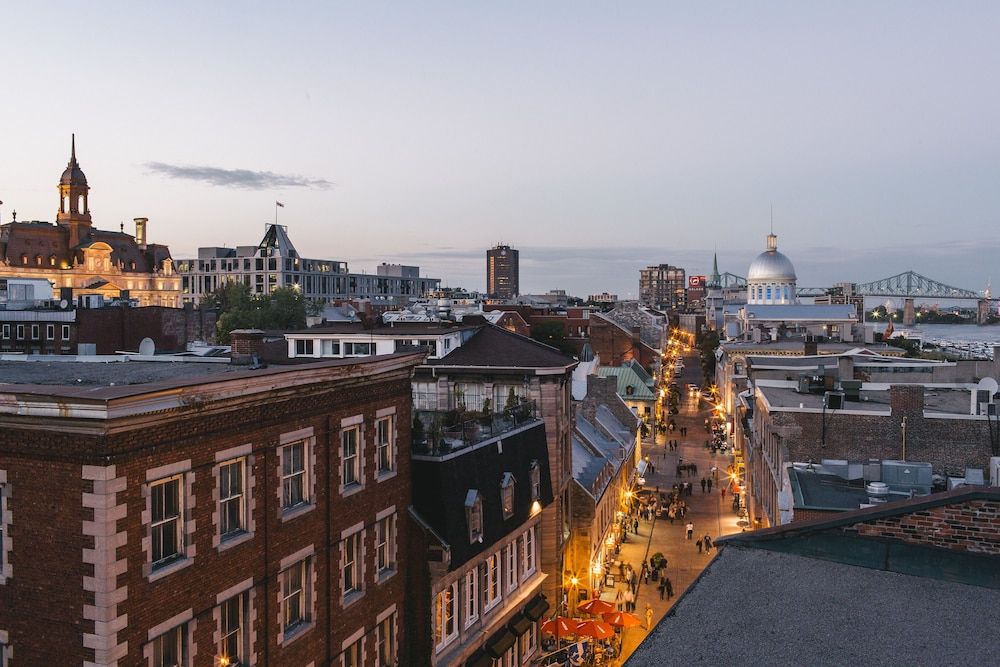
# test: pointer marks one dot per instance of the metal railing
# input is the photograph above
(443, 432)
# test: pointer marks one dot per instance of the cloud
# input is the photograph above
(237, 178)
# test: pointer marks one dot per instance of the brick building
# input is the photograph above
(178, 513)
(663, 286)
(616, 343)
(123, 328)
(503, 272)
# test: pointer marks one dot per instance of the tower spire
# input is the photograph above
(72, 153)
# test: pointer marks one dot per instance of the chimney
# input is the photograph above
(845, 368)
(140, 231)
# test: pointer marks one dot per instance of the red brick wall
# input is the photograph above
(114, 329)
(42, 606)
(971, 526)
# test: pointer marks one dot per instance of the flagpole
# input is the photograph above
(276, 213)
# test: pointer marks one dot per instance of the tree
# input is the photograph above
(284, 308)
(554, 334)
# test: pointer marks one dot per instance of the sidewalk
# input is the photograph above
(709, 513)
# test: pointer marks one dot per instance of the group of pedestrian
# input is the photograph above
(666, 587)
(706, 481)
(704, 543)
(672, 445)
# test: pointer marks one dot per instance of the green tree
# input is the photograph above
(284, 308)
(554, 334)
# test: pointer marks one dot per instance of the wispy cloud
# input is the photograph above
(236, 178)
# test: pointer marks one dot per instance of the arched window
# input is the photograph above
(81, 204)
(38, 260)
(52, 260)
(474, 515)
(507, 495)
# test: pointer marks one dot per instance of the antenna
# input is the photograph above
(772, 217)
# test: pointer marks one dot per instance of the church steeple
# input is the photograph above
(715, 280)
(74, 208)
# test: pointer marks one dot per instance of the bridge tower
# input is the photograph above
(909, 314)
(982, 311)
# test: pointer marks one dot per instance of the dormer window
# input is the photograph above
(507, 495)
(535, 475)
(474, 515)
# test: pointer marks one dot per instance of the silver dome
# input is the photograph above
(771, 266)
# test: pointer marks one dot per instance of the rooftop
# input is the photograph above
(114, 372)
(630, 385)
(950, 399)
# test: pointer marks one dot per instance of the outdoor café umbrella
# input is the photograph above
(560, 626)
(596, 606)
(621, 619)
(595, 629)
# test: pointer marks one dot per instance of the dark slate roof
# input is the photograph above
(496, 347)
(394, 329)
(755, 607)
(440, 486)
(813, 490)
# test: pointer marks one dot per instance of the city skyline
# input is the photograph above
(399, 135)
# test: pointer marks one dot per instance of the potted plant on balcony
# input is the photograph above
(417, 432)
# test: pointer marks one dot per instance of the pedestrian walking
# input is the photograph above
(629, 600)
(703, 485)
(619, 601)
(723, 492)
(709, 484)
(708, 543)
(669, 586)
(690, 530)
(635, 526)
(649, 617)
(662, 588)
(698, 542)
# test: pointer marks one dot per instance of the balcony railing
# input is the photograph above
(442, 432)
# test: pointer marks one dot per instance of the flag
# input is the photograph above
(278, 203)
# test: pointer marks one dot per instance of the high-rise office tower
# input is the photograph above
(502, 272)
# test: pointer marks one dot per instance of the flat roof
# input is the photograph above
(874, 398)
(770, 608)
(106, 373)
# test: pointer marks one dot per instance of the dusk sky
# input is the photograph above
(596, 138)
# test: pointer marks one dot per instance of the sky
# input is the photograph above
(597, 138)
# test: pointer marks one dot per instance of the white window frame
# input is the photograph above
(425, 395)
(291, 476)
(296, 603)
(445, 609)
(352, 564)
(386, 543)
(528, 643)
(510, 566)
(385, 446)
(351, 463)
(470, 596)
(35, 332)
(20, 332)
(50, 332)
(5, 334)
(176, 520)
(387, 638)
(239, 499)
(529, 559)
(492, 581)
(65, 332)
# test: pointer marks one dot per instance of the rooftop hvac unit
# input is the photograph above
(907, 475)
(877, 489)
(833, 400)
(873, 470)
(987, 409)
(852, 390)
(974, 477)
(995, 471)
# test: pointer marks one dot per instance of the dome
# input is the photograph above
(771, 266)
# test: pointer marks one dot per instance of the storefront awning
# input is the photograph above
(520, 624)
(536, 608)
(500, 643)
(640, 468)
(479, 659)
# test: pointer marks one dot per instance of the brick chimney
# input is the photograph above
(246, 342)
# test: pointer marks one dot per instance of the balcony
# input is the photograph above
(443, 432)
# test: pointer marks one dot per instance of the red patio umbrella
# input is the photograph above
(595, 629)
(621, 619)
(596, 606)
(560, 626)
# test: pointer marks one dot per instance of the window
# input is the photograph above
(294, 597)
(384, 455)
(474, 515)
(471, 596)
(65, 332)
(303, 348)
(167, 523)
(20, 332)
(358, 349)
(350, 460)
(330, 348)
(529, 642)
(170, 648)
(511, 564)
(5, 333)
(34, 332)
(351, 559)
(50, 332)
(233, 636)
(425, 396)
(385, 544)
(492, 580)
(469, 394)
(353, 653)
(445, 625)
(294, 487)
(507, 495)
(529, 553)
(535, 475)
(385, 642)
(232, 501)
